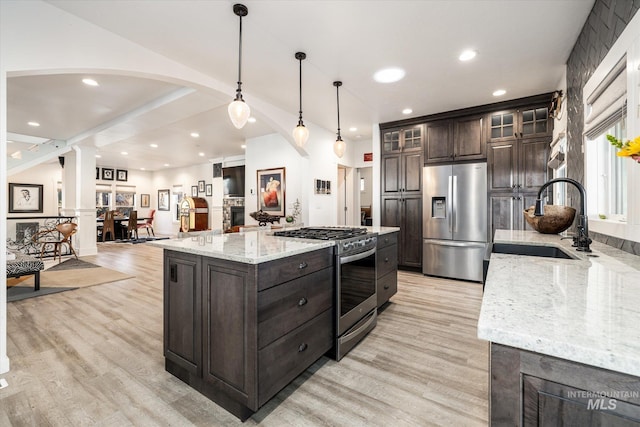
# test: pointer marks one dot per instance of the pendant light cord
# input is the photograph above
(300, 92)
(239, 90)
(337, 85)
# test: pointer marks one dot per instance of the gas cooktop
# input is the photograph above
(323, 233)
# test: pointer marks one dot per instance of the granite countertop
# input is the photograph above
(585, 310)
(250, 247)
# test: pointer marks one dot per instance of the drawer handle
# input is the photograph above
(173, 272)
(302, 302)
(302, 347)
(386, 259)
(302, 265)
(386, 286)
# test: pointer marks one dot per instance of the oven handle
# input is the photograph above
(356, 257)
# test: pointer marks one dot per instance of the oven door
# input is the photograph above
(356, 288)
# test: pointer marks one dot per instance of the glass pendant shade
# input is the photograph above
(239, 113)
(339, 147)
(300, 134)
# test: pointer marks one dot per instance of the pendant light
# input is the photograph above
(300, 133)
(239, 111)
(339, 145)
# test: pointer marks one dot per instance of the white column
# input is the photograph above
(80, 184)
(4, 360)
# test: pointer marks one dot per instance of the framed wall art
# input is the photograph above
(200, 186)
(145, 200)
(121, 175)
(163, 200)
(107, 174)
(194, 191)
(25, 198)
(209, 190)
(97, 173)
(271, 195)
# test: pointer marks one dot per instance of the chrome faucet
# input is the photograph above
(581, 240)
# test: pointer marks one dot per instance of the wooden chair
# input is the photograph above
(148, 224)
(66, 230)
(132, 225)
(108, 226)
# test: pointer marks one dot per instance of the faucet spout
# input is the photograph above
(581, 241)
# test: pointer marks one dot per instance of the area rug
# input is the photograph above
(85, 274)
(141, 240)
(18, 293)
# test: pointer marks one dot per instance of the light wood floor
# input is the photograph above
(93, 356)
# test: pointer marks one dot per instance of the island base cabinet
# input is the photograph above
(532, 389)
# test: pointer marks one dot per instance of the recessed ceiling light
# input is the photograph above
(407, 111)
(166, 164)
(467, 55)
(90, 82)
(201, 154)
(124, 153)
(499, 92)
(143, 169)
(98, 156)
(389, 75)
(153, 145)
(251, 119)
(243, 146)
(195, 135)
(34, 124)
(353, 129)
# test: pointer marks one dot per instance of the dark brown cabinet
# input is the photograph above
(239, 333)
(456, 139)
(406, 213)
(386, 267)
(506, 211)
(402, 174)
(532, 389)
(519, 123)
(399, 140)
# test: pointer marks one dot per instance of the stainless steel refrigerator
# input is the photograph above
(454, 220)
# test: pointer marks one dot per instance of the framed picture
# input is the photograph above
(25, 231)
(97, 173)
(217, 170)
(25, 198)
(107, 174)
(163, 200)
(194, 191)
(271, 197)
(201, 186)
(209, 190)
(121, 175)
(145, 200)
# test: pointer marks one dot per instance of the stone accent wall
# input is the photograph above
(227, 202)
(605, 23)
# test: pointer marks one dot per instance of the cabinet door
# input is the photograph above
(533, 155)
(410, 244)
(391, 141)
(502, 166)
(390, 212)
(502, 126)
(182, 311)
(411, 173)
(391, 169)
(469, 139)
(439, 144)
(501, 212)
(413, 138)
(535, 122)
(230, 330)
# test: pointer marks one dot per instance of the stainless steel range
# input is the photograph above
(355, 273)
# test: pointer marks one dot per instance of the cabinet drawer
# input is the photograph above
(284, 307)
(387, 239)
(283, 360)
(387, 260)
(289, 268)
(387, 286)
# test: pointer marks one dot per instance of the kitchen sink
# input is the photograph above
(530, 250)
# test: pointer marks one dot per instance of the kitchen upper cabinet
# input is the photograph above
(406, 213)
(519, 123)
(410, 138)
(518, 166)
(402, 173)
(455, 140)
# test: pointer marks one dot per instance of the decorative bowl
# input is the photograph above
(555, 220)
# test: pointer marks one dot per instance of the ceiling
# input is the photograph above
(522, 48)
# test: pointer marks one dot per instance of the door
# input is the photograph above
(342, 196)
(469, 193)
(437, 203)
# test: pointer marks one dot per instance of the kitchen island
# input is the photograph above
(564, 333)
(246, 313)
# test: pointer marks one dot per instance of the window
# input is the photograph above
(608, 174)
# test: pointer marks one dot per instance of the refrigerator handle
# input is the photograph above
(454, 203)
(450, 203)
